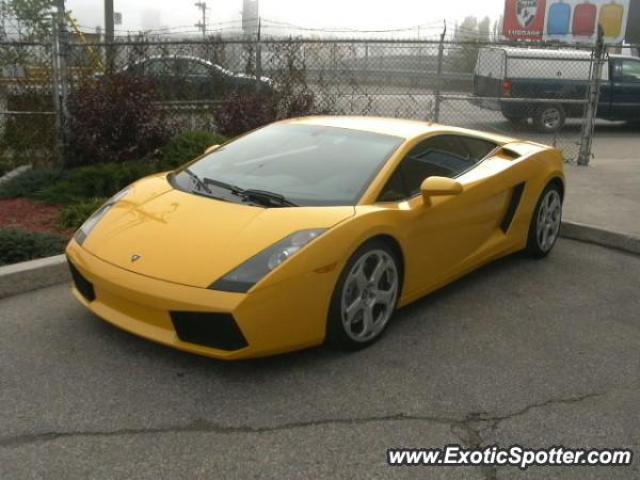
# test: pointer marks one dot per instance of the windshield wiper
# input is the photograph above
(197, 180)
(265, 198)
(218, 183)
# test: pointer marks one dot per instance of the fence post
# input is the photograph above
(366, 61)
(60, 79)
(258, 57)
(593, 97)
(438, 99)
(109, 36)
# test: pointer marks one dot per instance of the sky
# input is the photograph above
(336, 14)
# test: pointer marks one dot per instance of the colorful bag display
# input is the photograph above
(559, 19)
(611, 19)
(584, 20)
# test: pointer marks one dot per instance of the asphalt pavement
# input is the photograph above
(536, 353)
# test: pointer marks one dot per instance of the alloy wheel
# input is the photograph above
(549, 218)
(369, 295)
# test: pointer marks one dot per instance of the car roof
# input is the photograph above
(398, 127)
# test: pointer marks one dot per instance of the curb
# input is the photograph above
(599, 236)
(14, 173)
(27, 276)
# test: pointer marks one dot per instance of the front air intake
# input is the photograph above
(215, 330)
(84, 286)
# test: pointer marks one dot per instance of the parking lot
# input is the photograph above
(536, 353)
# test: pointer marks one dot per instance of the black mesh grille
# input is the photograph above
(215, 330)
(84, 286)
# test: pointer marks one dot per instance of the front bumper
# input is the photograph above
(290, 315)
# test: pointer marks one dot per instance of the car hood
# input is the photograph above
(194, 240)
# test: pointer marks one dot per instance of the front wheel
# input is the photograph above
(365, 297)
(545, 224)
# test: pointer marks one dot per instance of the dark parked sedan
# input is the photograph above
(193, 78)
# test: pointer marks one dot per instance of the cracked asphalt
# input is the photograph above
(535, 353)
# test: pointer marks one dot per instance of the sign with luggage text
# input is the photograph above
(569, 21)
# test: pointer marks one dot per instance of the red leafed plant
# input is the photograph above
(245, 111)
(113, 119)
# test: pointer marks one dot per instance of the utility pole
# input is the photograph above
(202, 24)
(61, 78)
(109, 36)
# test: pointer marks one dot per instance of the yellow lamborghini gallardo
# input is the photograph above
(311, 231)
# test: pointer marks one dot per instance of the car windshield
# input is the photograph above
(308, 165)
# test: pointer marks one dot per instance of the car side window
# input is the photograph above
(136, 68)
(631, 71)
(160, 67)
(193, 68)
(440, 156)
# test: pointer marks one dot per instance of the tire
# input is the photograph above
(372, 301)
(549, 118)
(545, 223)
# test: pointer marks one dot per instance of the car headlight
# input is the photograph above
(255, 269)
(86, 228)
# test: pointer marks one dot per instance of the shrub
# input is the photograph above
(19, 245)
(186, 147)
(104, 180)
(29, 138)
(73, 216)
(245, 111)
(96, 181)
(298, 105)
(114, 119)
(29, 183)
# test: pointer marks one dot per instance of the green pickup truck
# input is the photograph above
(550, 86)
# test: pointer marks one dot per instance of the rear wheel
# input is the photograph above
(365, 297)
(549, 118)
(545, 224)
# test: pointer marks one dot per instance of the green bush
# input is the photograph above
(82, 184)
(30, 138)
(20, 246)
(29, 183)
(77, 184)
(5, 167)
(96, 181)
(187, 146)
(74, 215)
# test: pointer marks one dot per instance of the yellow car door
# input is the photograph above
(447, 237)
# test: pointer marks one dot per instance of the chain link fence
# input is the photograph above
(27, 113)
(538, 94)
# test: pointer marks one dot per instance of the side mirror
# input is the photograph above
(211, 149)
(439, 187)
